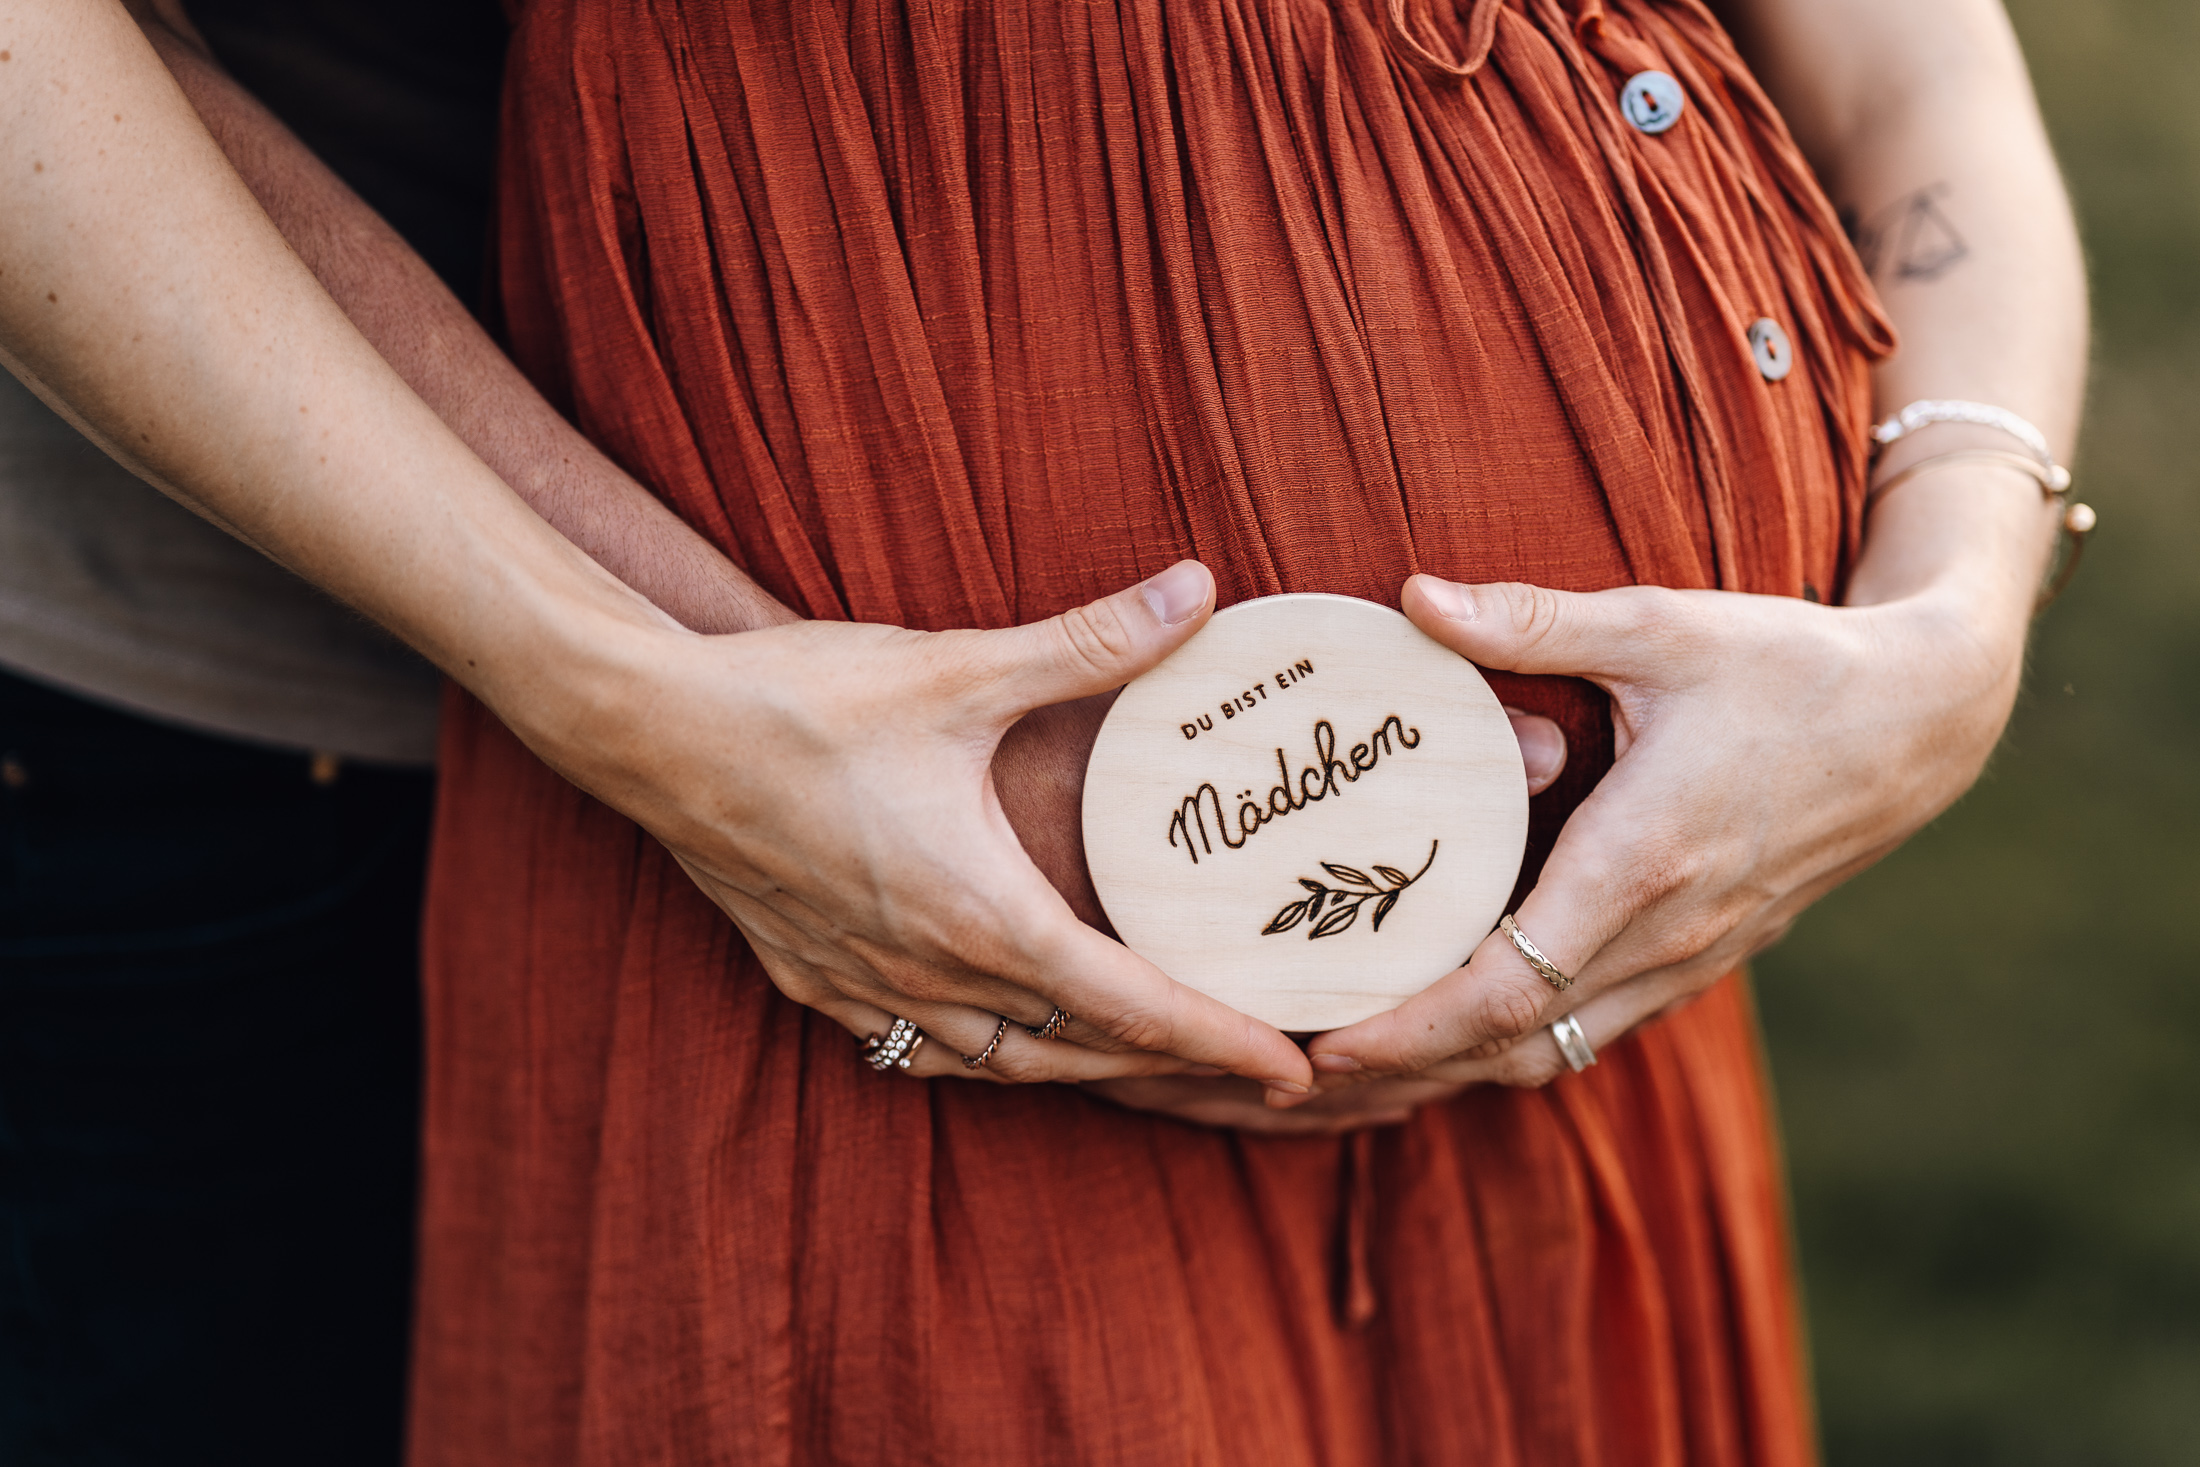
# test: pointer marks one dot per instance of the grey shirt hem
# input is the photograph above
(109, 590)
(392, 724)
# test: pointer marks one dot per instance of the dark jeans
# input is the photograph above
(209, 1094)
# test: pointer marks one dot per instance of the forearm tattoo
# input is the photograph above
(1911, 239)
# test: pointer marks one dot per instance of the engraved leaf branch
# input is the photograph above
(1331, 909)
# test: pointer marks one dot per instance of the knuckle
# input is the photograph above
(1661, 869)
(1019, 1067)
(905, 944)
(1662, 614)
(1527, 1070)
(939, 952)
(1654, 607)
(1136, 1019)
(1100, 1041)
(1129, 1026)
(908, 979)
(1691, 934)
(1697, 936)
(1141, 1029)
(1095, 637)
(1509, 1011)
(1534, 611)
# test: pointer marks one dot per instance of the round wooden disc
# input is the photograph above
(1311, 811)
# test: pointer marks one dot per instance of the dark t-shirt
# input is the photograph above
(399, 97)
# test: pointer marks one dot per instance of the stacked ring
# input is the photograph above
(1573, 1044)
(1534, 955)
(896, 1049)
(977, 1061)
(1051, 1027)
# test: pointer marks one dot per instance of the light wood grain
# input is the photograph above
(1306, 739)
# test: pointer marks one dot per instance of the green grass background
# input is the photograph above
(1987, 1050)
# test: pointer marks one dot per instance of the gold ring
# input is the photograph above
(977, 1061)
(1051, 1027)
(1534, 955)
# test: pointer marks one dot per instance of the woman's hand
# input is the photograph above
(829, 786)
(1767, 749)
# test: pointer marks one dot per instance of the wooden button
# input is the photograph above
(1311, 811)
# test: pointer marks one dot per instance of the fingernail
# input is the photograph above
(1448, 597)
(1336, 1064)
(1287, 1087)
(1542, 748)
(1177, 594)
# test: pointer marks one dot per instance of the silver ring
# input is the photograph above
(894, 1051)
(1534, 955)
(1051, 1027)
(1573, 1045)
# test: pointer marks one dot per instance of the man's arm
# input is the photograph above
(443, 354)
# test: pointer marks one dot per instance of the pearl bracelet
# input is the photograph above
(1928, 411)
(2076, 520)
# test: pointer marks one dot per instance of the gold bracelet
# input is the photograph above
(2076, 521)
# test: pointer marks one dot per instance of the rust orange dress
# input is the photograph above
(955, 313)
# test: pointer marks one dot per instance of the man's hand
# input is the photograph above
(1236, 1105)
(1039, 774)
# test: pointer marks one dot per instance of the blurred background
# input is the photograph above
(1987, 1050)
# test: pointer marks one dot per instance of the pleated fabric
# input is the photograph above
(957, 313)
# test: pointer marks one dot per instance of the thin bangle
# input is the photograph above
(1984, 457)
(2076, 520)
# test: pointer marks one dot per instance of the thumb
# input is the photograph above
(1600, 635)
(1100, 645)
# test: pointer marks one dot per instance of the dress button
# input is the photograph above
(1769, 344)
(1652, 101)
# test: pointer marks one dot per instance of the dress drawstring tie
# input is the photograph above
(1356, 1302)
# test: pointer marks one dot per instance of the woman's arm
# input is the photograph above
(1920, 119)
(826, 784)
(444, 355)
(1769, 749)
